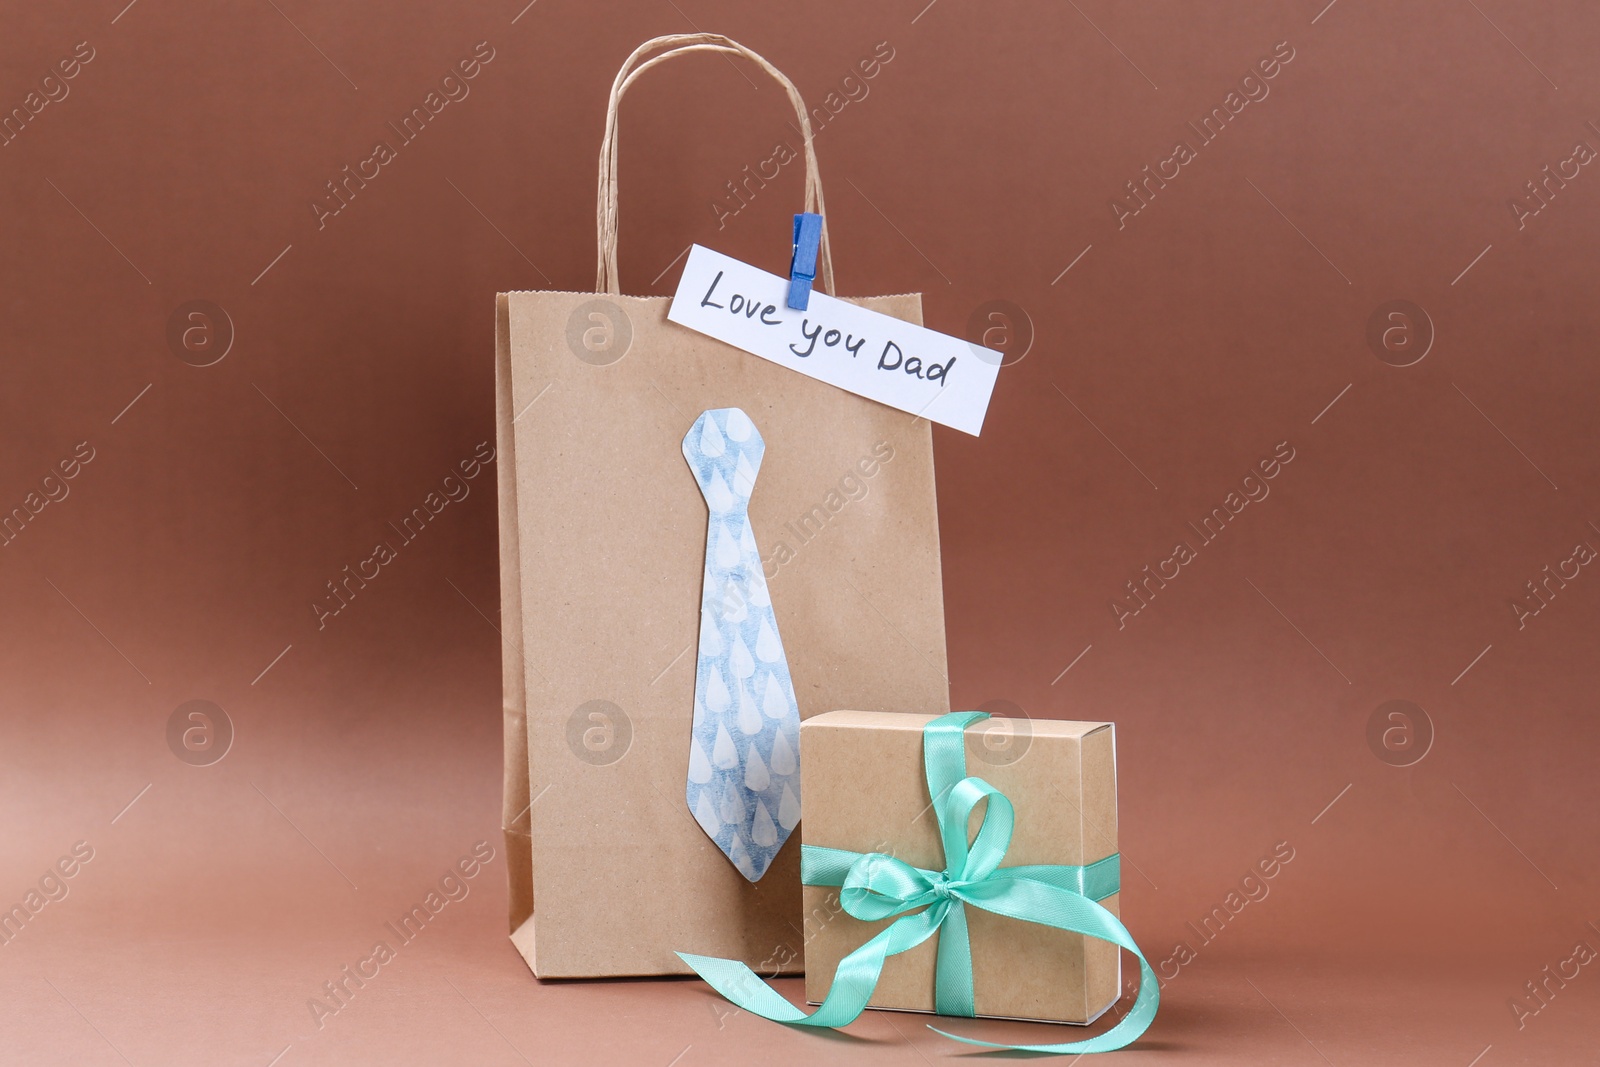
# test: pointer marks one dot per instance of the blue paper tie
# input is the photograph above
(803, 267)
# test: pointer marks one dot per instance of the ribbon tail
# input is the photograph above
(1128, 1029)
(853, 981)
(739, 984)
(1048, 905)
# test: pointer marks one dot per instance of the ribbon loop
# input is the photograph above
(875, 886)
(879, 886)
(980, 859)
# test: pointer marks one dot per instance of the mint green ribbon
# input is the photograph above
(875, 886)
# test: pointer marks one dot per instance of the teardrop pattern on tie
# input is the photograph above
(740, 661)
(789, 809)
(732, 811)
(739, 425)
(740, 856)
(756, 778)
(749, 718)
(699, 766)
(768, 648)
(706, 816)
(719, 498)
(762, 830)
(744, 477)
(710, 642)
(783, 761)
(711, 443)
(717, 698)
(728, 551)
(774, 701)
(724, 755)
(732, 605)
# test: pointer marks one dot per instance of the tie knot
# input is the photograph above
(724, 451)
(941, 886)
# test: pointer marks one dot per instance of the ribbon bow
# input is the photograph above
(874, 886)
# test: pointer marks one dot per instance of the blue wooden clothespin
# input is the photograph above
(803, 267)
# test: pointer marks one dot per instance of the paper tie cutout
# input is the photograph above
(744, 770)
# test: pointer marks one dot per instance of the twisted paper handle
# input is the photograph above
(643, 58)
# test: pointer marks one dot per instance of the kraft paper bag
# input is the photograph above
(602, 551)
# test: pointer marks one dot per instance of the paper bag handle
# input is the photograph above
(606, 278)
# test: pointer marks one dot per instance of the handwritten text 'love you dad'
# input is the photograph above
(890, 358)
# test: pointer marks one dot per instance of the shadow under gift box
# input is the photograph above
(863, 789)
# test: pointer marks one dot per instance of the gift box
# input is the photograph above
(866, 785)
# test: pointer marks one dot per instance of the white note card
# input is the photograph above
(939, 377)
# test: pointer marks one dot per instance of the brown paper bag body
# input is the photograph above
(602, 549)
(1062, 779)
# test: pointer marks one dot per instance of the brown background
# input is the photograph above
(1221, 320)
